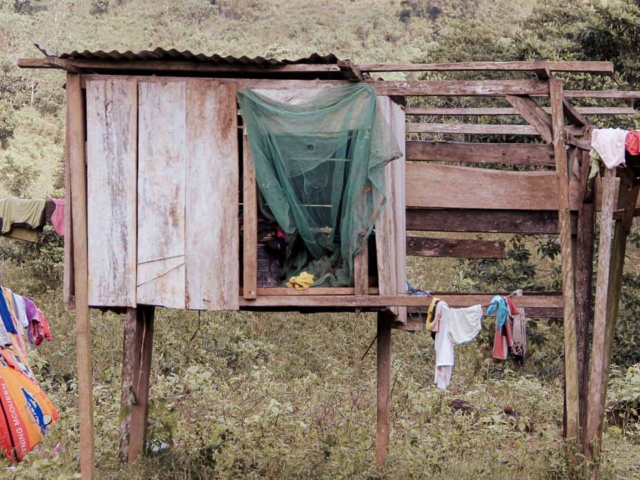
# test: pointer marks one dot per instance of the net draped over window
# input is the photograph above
(320, 171)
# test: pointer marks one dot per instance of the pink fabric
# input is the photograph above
(58, 216)
(39, 329)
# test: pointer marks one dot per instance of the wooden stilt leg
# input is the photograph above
(564, 221)
(140, 387)
(585, 240)
(131, 350)
(78, 176)
(608, 286)
(384, 387)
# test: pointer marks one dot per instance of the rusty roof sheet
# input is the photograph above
(186, 55)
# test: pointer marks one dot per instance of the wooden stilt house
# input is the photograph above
(157, 152)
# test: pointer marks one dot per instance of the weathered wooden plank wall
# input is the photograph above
(161, 194)
(212, 172)
(111, 180)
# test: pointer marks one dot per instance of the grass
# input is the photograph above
(246, 395)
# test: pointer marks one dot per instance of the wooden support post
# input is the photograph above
(131, 347)
(564, 221)
(584, 240)
(78, 174)
(608, 287)
(138, 345)
(250, 223)
(384, 387)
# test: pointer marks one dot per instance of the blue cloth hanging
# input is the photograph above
(6, 314)
(500, 304)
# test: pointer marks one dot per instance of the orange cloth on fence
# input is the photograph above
(26, 410)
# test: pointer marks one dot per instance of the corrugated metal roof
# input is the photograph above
(186, 55)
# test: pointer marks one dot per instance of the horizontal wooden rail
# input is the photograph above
(511, 111)
(481, 129)
(484, 88)
(601, 94)
(587, 67)
(444, 186)
(503, 153)
(485, 221)
(454, 248)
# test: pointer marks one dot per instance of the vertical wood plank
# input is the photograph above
(361, 271)
(68, 287)
(250, 223)
(608, 287)
(78, 171)
(112, 107)
(161, 194)
(131, 350)
(212, 270)
(391, 225)
(140, 389)
(564, 222)
(384, 387)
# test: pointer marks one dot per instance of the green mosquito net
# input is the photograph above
(320, 171)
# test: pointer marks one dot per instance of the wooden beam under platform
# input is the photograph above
(546, 300)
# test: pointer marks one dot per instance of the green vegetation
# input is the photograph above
(288, 396)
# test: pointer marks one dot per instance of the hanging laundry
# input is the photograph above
(57, 219)
(464, 323)
(21, 310)
(31, 411)
(518, 324)
(28, 410)
(415, 291)
(301, 282)
(18, 338)
(632, 142)
(40, 328)
(5, 339)
(435, 326)
(31, 310)
(444, 353)
(499, 307)
(431, 312)
(500, 344)
(7, 319)
(610, 145)
(21, 217)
